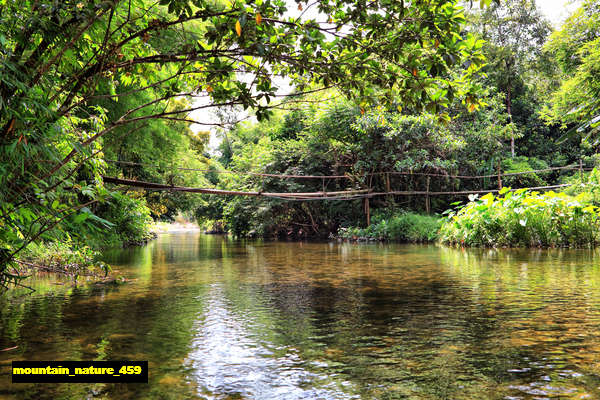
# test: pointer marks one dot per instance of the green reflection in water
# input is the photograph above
(219, 318)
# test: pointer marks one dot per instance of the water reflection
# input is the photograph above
(232, 357)
(221, 319)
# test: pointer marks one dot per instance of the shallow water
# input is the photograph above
(224, 319)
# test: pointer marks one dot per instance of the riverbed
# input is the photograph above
(218, 318)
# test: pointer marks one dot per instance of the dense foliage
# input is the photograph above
(337, 139)
(523, 218)
(333, 139)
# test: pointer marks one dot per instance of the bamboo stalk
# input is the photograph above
(160, 186)
(307, 195)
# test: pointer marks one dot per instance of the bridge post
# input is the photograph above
(367, 211)
(427, 200)
(499, 177)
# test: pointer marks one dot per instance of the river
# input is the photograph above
(218, 318)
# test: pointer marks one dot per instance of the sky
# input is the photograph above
(557, 10)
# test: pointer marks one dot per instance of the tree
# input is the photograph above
(576, 47)
(515, 32)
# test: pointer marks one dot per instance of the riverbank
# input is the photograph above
(59, 258)
(76, 261)
(521, 218)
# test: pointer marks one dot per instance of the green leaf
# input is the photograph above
(80, 218)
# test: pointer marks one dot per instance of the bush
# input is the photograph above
(588, 187)
(522, 164)
(402, 227)
(64, 257)
(524, 219)
(131, 219)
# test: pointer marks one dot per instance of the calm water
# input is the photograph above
(224, 319)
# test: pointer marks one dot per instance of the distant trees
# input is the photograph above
(576, 48)
(515, 31)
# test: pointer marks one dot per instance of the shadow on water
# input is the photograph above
(223, 319)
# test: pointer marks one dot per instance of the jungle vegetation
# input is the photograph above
(123, 88)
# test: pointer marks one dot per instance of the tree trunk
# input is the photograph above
(510, 119)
